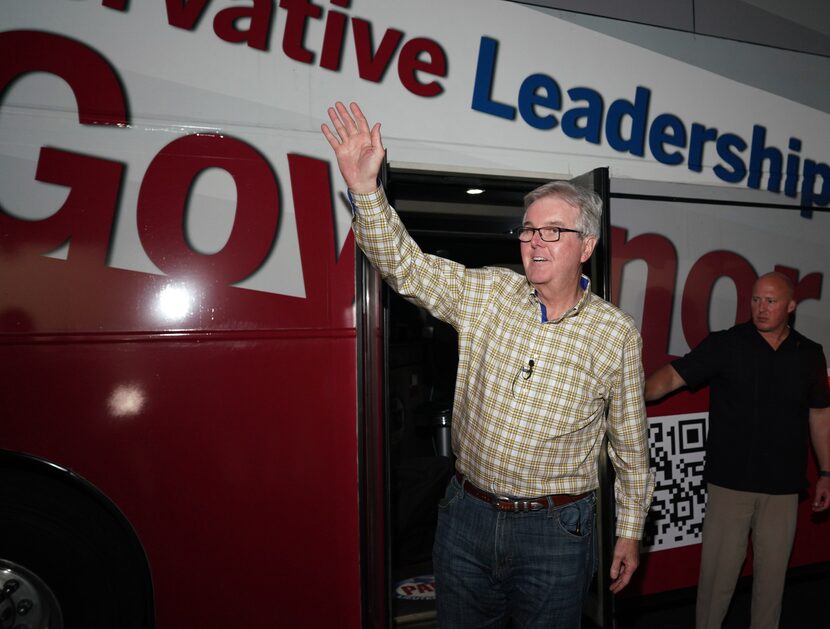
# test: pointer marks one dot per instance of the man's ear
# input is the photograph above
(588, 244)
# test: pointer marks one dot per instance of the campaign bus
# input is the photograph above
(214, 413)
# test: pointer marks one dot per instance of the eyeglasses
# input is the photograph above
(548, 234)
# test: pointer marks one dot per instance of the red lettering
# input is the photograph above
(333, 40)
(94, 83)
(419, 56)
(185, 13)
(85, 218)
(809, 287)
(410, 62)
(424, 588)
(373, 65)
(323, 273)
(162, 203)
(334, 37)
(409, 590)
(259, 26)
(697, 294)
(295, 24)
(660, 258)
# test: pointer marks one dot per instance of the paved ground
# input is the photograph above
(805, 606)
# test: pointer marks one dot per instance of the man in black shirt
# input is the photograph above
(767, 391)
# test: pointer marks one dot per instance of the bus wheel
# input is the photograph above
(67, 556)
(26, 601)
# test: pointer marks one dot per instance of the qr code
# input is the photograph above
(677, 452)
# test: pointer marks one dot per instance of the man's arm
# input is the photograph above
(820, 436)
(662, 382)
(628, 450)
(627, 550)
(358, 149)
(430, 282)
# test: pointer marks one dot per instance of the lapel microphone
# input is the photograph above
(527, 371)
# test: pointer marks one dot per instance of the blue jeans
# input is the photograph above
(522, 570)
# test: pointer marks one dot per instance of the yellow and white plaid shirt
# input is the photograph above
(516, 434)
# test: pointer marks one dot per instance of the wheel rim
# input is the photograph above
(26, 602)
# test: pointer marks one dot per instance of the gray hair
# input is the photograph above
(586, 201)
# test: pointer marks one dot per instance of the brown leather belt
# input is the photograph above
(502, 503)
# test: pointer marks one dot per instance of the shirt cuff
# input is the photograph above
(631, 526)
(370, 203)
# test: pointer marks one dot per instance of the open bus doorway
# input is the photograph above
(419, 366)
(422, 357)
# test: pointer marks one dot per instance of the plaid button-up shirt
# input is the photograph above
(523, 429)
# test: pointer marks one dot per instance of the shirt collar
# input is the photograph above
(584, 284)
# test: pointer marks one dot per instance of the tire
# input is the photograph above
(58, 528)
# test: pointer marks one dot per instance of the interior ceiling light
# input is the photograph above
(474, 191)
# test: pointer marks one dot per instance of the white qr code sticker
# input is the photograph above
(677, 452)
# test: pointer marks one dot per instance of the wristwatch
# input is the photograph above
(824, 473)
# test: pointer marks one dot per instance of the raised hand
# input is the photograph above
(358, 149)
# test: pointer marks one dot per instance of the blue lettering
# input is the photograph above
(626, 126)
(793, 162)
(530, 98)
(725, 145)
(759, 154)
(808, 185)
(700, 135)
(592, 115)
(637, 112)
(483, 88)
(667, 129)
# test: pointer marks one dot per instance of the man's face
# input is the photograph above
(544, 261)
(772, 304)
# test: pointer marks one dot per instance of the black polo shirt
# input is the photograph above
(759, 403)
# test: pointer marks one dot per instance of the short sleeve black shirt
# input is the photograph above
(759, 403)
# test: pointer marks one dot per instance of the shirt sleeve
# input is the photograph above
(820, 389)
(436, 284)
(628, 442)
(699, 365)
